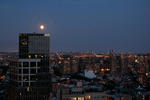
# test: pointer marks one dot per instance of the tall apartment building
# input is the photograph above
(30, 75)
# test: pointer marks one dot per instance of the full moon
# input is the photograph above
(42, 27)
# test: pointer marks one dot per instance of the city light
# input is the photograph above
(74, 98)
(29, 56)
(146, 74)
(47, 35)
(102, 69)
(80, 98)
(107, 69)
(75, 50)
(88, 97)
(136, 60)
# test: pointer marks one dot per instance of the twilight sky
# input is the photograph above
(78, 25)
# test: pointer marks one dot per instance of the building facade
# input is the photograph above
(30, 74)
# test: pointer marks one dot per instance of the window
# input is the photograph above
(74, 98)
(20, 78)
(29, 56)
(88, 97)
(36, 56)
(19, 83)
(24, 43)
(25, 71)
(80, 98)
(33, 71)
(20, 65)
(39, 64)
(20, 71)
(25, 84)
(25, 64)
(33, 64)
(33, 84)
(25, 78)
(33, 78)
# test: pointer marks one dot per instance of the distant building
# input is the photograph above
(68, 66)
(71, 92)
(118, 97)
(30, 74)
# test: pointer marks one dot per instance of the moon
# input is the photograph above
(41, 27)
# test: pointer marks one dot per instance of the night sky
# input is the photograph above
(79, 25)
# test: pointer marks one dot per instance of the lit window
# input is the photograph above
(28, 89)
(35, 56)
(146, 74)
(59, 62)
(136, 61)
(29, 56)
(102, 69)
(107, 69)
(25, 78)
(88, 97)
(46, 35)
(24, 43)
(80, 98)
(74, 98)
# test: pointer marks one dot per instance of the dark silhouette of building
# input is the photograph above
(30, 75)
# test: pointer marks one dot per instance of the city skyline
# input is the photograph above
(79, 25)
(74, 50)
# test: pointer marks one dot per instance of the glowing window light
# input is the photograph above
(29, 56)
(102, 69)
(88, 97)
(80, 98)
(46, 35)
(74, 98)
(107, 69)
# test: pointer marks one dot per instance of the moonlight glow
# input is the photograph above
(42, 27)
